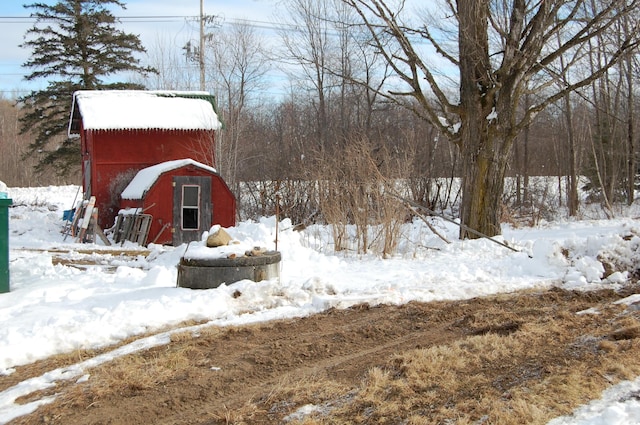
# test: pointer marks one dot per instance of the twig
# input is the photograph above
(462, 226)
(429, 225)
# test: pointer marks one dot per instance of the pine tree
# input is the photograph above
(75, 46)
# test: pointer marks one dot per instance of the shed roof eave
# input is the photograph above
(140, 109)
(73, 129)
(146, 178)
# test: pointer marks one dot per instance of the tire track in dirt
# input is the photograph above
(235, 368)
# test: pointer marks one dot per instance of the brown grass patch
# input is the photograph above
(505, 372)
(508, 359)
(38, 368)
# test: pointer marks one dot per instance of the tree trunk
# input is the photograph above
(482, 186)
(525, 166)
(484, 153)
(572, 190)
(525, 159)
(631, 148)
(518, 167)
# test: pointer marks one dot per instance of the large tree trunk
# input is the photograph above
(482, 187)
(483, 151)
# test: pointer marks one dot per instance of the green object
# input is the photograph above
(4, 244)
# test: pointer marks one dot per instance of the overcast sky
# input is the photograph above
(182, 27)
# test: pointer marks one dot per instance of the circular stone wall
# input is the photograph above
(212, 272)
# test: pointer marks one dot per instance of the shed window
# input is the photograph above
(190, 207)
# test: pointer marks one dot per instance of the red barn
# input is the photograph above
(184, 197)
(124, 131)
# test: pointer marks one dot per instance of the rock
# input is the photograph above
(219, 238)
(256, 252)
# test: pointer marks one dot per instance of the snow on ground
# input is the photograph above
(55, 308)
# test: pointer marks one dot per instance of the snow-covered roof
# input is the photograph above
(142, 110)
(147, 176)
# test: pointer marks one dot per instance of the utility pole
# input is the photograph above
(201, 52)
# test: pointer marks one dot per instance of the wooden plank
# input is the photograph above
(134, 235)
(102, 236)
(126, 228)
(87, 218)
(134, 228)
(140, 229)
(117, 229)
(144, 229)
(76, 217)
(93, 224)
(166, 225)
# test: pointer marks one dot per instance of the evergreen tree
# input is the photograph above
(75, 46)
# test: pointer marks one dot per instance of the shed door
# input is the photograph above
(192, 209)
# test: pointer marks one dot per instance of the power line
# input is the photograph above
(143, 19)
(35, 18)
(128, 18)
(158, 19)
(134, 19)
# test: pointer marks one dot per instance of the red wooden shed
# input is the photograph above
(124, 131)
(184, 198)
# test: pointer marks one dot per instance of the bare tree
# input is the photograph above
(16, 168)
(627, 71)
(567, 110)
(175, 66)
(503, 47)
(612, 150)
(238, 69)
(307, 48)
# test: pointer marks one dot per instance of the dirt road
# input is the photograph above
(263, 373)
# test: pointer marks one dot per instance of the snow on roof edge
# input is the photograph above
(143, 109)
(146, 177)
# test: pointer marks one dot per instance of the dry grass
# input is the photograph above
(508, 360)
(529, 374)
(129, 375)
(66, 359)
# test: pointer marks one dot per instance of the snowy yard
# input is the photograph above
(104, 297)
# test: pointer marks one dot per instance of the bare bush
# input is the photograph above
(542, 201)
(292, 198)
(354, 193)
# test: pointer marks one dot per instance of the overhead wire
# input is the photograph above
(152, 19)
(157, 19)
